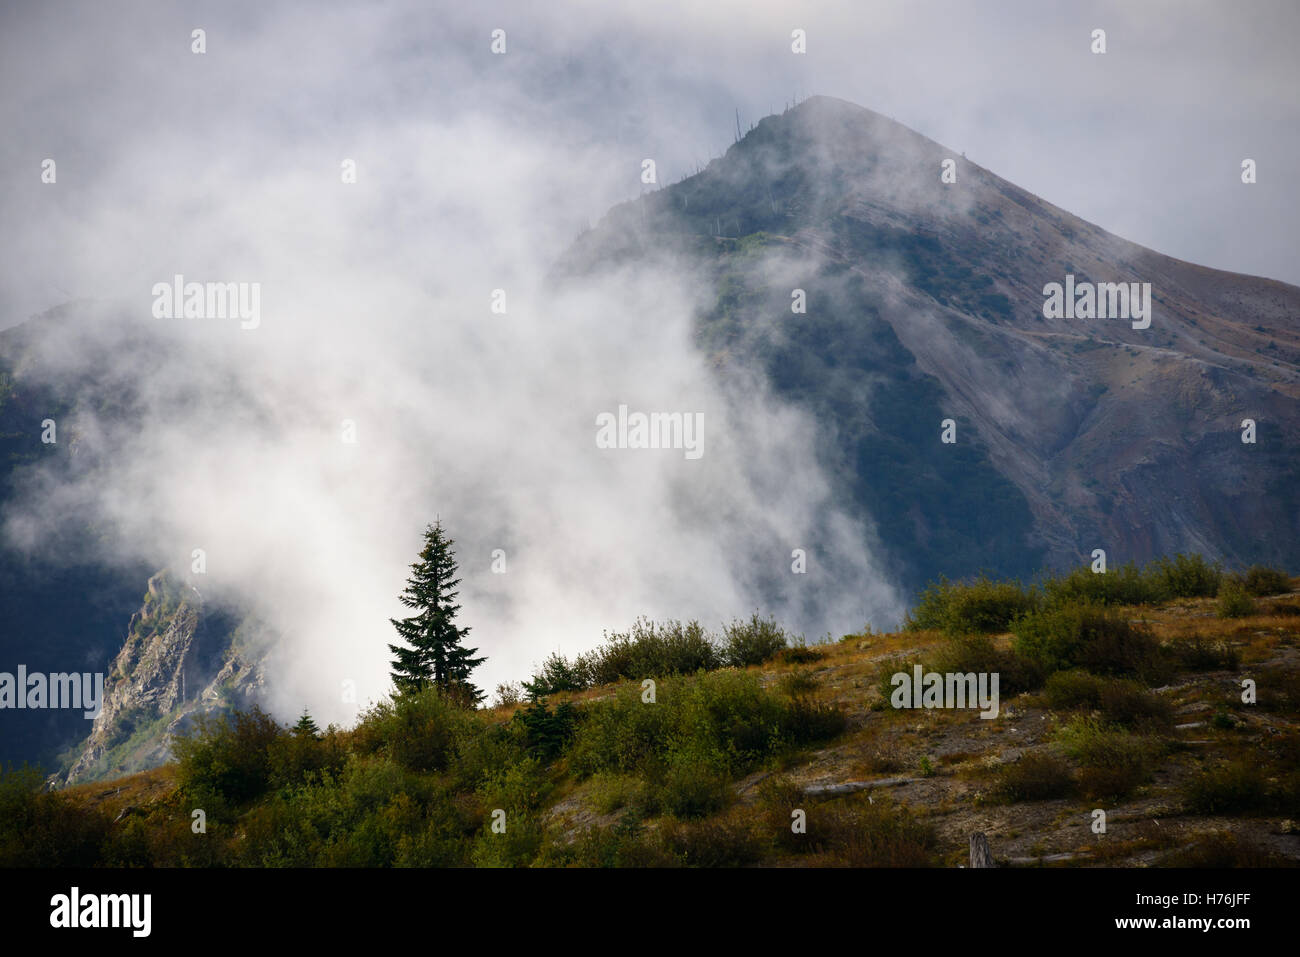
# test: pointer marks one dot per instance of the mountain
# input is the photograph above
(925, 302)
(67, 602)
(179, 659)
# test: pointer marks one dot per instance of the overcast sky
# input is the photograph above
(474, 171)
(1145, 140)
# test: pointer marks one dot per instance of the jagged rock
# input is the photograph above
(178, 660)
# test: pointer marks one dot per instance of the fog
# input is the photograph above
(474, 172)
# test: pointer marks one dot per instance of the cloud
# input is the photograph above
(475, 172)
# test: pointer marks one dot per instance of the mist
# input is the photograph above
(473, 173)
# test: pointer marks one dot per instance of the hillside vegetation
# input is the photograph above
(1126, 693)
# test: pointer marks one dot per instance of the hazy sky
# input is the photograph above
(474, 171)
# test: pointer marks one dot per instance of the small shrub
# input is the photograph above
(1037, 776)
(1234, 600)
(555, 675)
(225, 760)
(1113, 762)
(1223, 850)
(1185, 576)
(799, 655)
(752, 642)
(713, 843)
(39, 828)
(1125, 585)
(1237, 787)
(1260, 580)
(981, 606)
(694, 784)
(1091, 637)
(1073, 690)
(416, 730)
(796, 683)
(1199, 653)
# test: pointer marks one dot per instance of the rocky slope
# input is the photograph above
(925, 302)
(179, 659)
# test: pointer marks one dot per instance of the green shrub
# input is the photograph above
(799, 655)
(752, 642)
(1234, 600)
(46, 829)
(1199, 653)
(1260, 580)
(694, 783)
(547, 732)
(980, 606)
(1236, 787)
(416, 730)
(726, 715)
(1224, 850)
(853, 831)
(649, 650)
(1036, 776)
(796, 683)
(556, 675)
(1113, 762)
(1091, 637)
(225, 760)
(1073, 690)
(980, 655)
(1185, 576)
(715, 843)
(1125, 585)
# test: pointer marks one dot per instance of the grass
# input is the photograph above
(710, 773)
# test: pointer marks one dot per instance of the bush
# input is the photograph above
(1091, 637)
(1112, 761)
(1224, 850)
(1260, 580)
(1037, 776)
(695, 783)
(295, 757)
(727, 716)
(225, 760)
(979, 654)
(713, 843)
(853, 831)
(1234, 788)
(547, 732)
(1199, 653)
(1073, 690)
(1234, 600)
(556, 675)
(799, 655)
(752, 642)
(1186, 576)
(980, 606)
(45, 829)
(1125, 585)
(415, 730)
(649, 650)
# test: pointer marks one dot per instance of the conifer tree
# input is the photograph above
(433, 654)
(306, 726)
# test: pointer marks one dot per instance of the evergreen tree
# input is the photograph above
(433, 654)
(306, 726)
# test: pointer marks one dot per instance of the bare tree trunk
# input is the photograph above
(981, 855)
